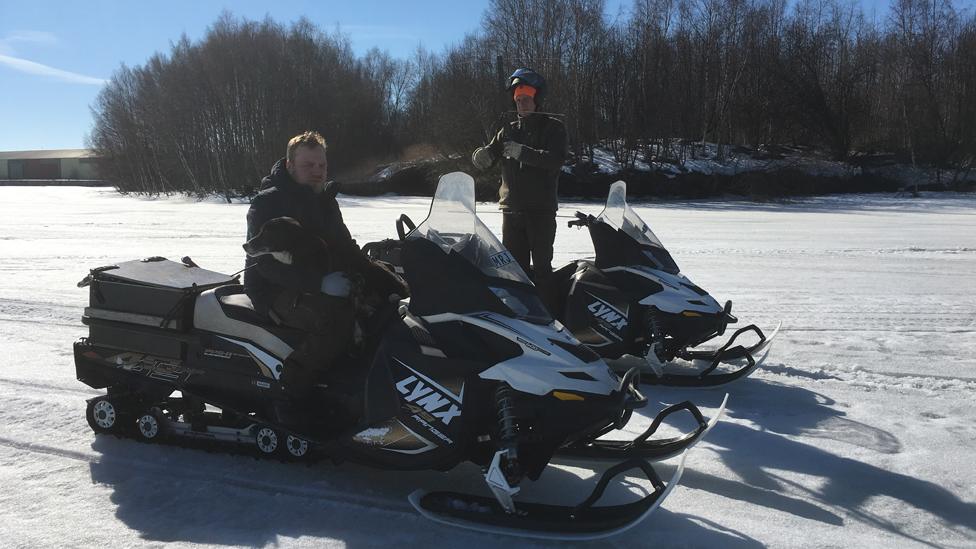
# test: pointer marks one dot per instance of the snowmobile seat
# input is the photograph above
(227, 310)
(237, 305)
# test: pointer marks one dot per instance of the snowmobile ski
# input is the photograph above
(545, 521)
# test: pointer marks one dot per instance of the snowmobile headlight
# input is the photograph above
(562, 395)
(690, 313)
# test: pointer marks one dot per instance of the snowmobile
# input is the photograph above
(471, 368)
(633, 307)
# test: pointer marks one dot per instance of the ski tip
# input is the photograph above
(721, 409)
(711, 423)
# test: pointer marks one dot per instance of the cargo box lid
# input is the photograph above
(162, 273)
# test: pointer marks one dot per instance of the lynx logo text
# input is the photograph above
(605, 312)
(442, 407)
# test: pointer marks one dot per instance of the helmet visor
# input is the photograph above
(523, 89)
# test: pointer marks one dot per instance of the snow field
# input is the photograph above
(859, 429)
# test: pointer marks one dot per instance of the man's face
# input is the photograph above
(525, 104)
(310, 166)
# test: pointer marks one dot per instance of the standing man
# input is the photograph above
(289, 295)
(532, 150)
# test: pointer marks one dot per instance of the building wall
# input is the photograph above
(78, 168)
(49, 168)
(42, 168)
(88, 169)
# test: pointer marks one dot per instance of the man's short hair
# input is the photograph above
(307, 139)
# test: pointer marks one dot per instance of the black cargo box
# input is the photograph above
(151, 292)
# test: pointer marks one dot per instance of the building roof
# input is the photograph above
(44, 154)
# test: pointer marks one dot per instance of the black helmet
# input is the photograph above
(530, 78)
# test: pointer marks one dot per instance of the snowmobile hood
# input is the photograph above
(680, 294)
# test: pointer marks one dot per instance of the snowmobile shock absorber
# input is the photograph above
(655, 337)
(507, 430)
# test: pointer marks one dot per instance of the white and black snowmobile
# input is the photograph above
(473, 368)
(632, 306)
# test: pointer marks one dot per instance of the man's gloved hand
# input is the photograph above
(336, 284)
(481, 158)
(512, 150)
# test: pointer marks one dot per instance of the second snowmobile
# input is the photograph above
(632, 305)
(473, 368)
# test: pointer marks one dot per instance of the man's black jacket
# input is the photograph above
(317, 212)
(529, 184)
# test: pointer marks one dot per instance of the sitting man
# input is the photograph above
(289, 294)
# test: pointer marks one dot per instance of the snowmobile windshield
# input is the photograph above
(454, 227)
(619, 215)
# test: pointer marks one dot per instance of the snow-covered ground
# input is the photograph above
(705, 159)
(860, 430)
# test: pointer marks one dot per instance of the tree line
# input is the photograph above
(660, 81)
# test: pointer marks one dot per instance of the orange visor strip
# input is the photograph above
(524, 89)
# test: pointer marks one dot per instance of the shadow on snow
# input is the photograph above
(755, 454)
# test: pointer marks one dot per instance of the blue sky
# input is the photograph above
(55, 55)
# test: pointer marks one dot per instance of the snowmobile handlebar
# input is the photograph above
(582, 220)
(404, 221)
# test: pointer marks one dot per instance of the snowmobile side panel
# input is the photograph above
(598, 313)
(102, 367)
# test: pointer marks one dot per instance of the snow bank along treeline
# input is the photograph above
(212, 116)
